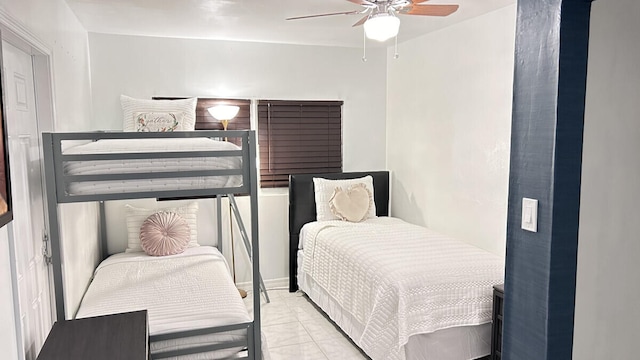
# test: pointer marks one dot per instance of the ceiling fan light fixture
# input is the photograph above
(382, 26)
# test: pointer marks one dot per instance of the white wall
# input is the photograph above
(607, 316)
(53, 25)
(80, 250)
(52, 22)
(449, 128)
(8, 339)
(146, 66)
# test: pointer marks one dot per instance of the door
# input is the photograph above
(28, 226)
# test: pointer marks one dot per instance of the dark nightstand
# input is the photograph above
(496, 327)
(119, 336)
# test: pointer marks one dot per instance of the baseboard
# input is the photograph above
(268, 283)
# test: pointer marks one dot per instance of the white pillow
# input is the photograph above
(324, 188)
(131, 107)
(137, 216)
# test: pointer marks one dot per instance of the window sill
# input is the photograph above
(274, 191)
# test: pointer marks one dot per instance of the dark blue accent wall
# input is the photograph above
(546, 153)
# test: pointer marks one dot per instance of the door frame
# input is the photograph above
(19, 36)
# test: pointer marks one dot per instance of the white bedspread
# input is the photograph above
(400, 279)
(185, 291)
(150, 165)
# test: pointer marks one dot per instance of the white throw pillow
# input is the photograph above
(324, 189)
(137, 216)
(131, 107)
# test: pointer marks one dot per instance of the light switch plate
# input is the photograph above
(530, 214)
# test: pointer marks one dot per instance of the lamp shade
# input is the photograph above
(224, 112)
(381, 26)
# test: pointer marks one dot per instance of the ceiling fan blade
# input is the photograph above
(430, 10)
(418, 1)
(364, 2)
(361, 21)
(320, 15)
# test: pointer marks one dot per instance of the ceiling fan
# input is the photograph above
(380, 21)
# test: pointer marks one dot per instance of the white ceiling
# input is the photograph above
(256, 20)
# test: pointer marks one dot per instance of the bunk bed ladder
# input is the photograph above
(245, 238)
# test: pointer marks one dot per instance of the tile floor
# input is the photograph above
(296, 330)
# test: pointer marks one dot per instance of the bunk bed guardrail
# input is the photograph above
(55, 142)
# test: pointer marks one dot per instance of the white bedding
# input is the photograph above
(180, 292)
(456, 343)
(399, 280)
(151, 165)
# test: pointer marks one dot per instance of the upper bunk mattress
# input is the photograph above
(151, 165)
(399, 280)
(180, 292)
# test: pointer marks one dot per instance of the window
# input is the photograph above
(298, 137)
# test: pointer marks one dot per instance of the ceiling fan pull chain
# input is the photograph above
(364, 46)
(395, 56)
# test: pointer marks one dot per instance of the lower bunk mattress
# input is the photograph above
(187, 291)
(401, 291)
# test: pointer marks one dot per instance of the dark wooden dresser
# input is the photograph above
(496, 327)
(119, 336)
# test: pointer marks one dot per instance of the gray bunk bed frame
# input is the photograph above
(56, 189)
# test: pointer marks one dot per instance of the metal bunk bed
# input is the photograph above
(57, 182)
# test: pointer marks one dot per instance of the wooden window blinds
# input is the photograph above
(298, 137)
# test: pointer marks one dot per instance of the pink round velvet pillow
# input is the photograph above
(164, 233)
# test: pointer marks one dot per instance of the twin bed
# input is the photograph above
(194, 308)
(398, 290)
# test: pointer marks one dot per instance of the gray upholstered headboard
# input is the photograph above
(302, 207)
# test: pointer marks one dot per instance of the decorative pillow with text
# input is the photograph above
(157, 122)
(132, 106)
